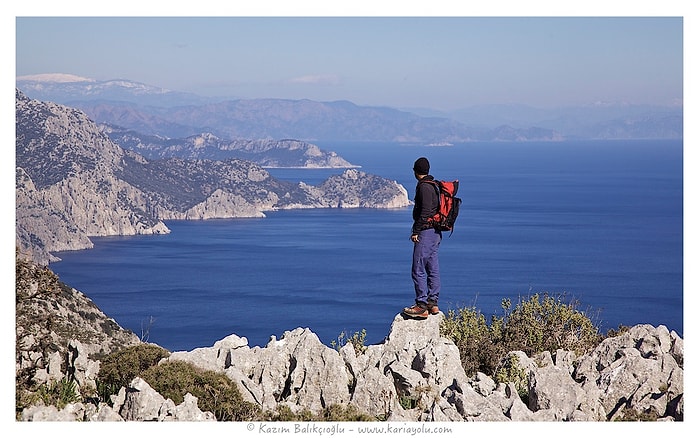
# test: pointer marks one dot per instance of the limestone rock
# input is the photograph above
(416, 375)
(640, 369)
(140, 402)
(552, 388)
(71, 412)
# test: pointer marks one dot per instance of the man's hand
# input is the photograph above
(414, 238)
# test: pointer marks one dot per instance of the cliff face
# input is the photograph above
(73, 182)
(67, 184)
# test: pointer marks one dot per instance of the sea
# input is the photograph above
(598, 224)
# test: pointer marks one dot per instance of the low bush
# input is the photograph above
(215, 392)
(509, 370)
(545, 323)
(535, 324)
(468, 328)
(119, 368)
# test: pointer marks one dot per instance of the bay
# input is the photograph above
(601, 222)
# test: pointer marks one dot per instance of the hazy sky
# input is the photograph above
(441, 63)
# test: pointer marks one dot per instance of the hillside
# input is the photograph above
(55, 325)
(265, 152)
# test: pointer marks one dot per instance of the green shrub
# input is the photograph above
(119, 368)
(59, 393)
(545, 323)
(468, 329)
(509, 370)
(215, 392)
(535, 324)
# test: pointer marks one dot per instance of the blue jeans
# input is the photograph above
(426, 268)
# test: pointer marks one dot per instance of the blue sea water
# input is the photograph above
(601, 222)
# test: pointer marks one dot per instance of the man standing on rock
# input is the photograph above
(426, 239)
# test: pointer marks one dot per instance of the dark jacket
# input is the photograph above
(426, 204)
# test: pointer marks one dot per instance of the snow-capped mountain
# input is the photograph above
(67, 88)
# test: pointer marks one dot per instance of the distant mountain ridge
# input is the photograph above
(73, 182)
(63, 88)
(598, 120)
(152, 110)
(155, 111)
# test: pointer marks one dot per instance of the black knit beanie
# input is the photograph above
(422, 166)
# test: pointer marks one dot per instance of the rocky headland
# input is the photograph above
(73, 182)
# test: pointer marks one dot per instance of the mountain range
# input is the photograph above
(151, 110)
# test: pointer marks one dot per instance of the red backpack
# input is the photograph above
(448, 209)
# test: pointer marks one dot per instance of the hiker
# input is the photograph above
(426, 239)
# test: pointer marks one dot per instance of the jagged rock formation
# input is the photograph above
(73, 182)
(416, 375)
(265, 152)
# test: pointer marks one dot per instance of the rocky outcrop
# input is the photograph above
(73, 183)
(350, 189)
(416, 375)
(60, 333)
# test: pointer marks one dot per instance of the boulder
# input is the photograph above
(552, 388)
(297, 369)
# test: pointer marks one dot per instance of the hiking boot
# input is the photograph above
(416, 311)
(432, 307)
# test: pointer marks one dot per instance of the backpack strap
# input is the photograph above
(434, 184)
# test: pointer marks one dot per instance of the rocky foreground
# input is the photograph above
(416, 375)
